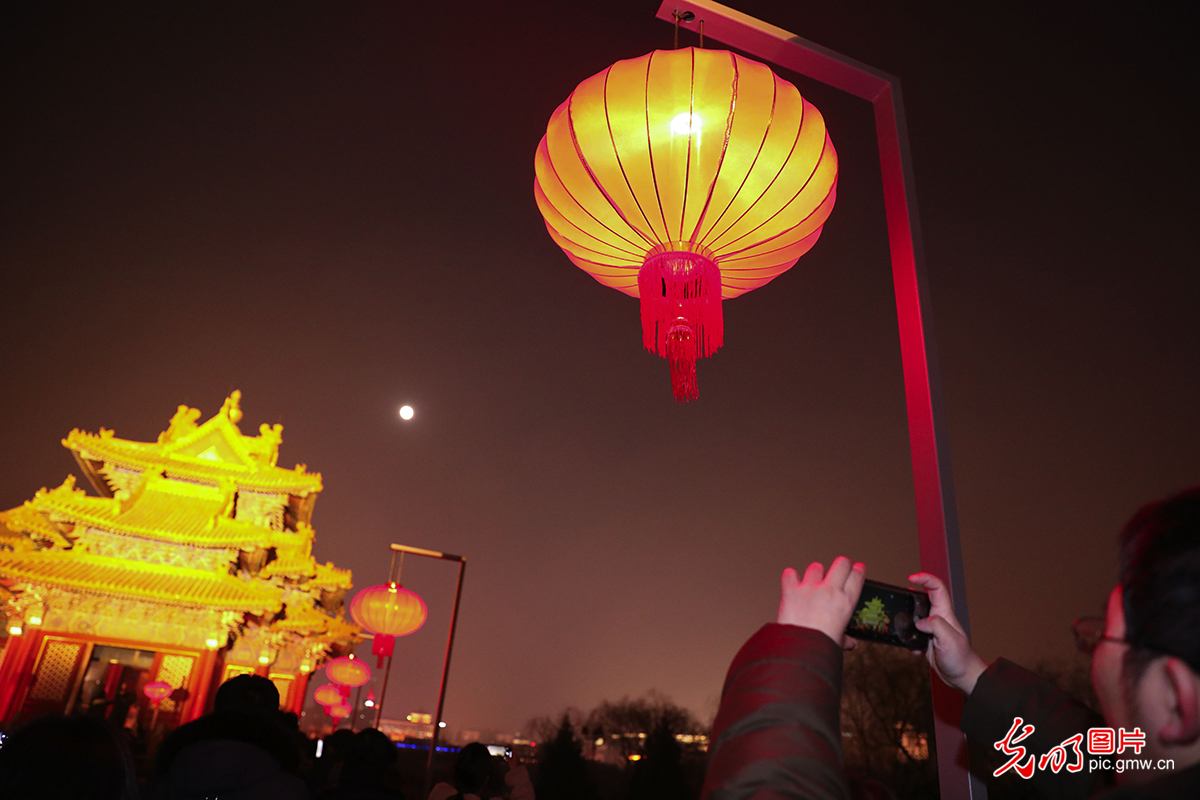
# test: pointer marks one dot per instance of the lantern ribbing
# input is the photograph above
(388, 611)
(347, 672)
(685, 178)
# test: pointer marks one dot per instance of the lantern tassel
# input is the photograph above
(680, 295)
(681, 354)
(382, 648)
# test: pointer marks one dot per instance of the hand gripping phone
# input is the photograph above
(886, 614)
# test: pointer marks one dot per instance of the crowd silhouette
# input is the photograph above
(776, 734)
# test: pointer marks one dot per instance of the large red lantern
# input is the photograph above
(388, 611)
(347, 672)
(327, 695)
(685, 177)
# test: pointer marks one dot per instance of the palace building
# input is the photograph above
(194, 564)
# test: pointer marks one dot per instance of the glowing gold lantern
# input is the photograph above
(327, 695)
(339, 710)
(347, 672)
(388, 611)
(685, 177)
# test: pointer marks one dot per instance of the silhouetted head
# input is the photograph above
(67, 758)
(367, 759)
(1146, 668)
(247, 694)
(472, 769)
(337, 744)
(1160, 579)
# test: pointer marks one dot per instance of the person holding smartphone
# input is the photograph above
(1145, 668)
(776, 733)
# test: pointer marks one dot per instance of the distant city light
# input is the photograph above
(635, 757)
(369, 704)
(406, 412)
(441, 724)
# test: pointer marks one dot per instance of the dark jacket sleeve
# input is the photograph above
(1006, 691)
(776, 734)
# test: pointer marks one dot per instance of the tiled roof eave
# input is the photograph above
(249, 537)
(164, 583)
(272, 479)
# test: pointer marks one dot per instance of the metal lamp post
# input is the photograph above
(402, 549)
(937, 518)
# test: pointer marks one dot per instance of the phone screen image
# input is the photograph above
(887, 614)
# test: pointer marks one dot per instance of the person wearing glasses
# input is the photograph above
(776, 733)
(1145, 667)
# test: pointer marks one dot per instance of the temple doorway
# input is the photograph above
(112, 683)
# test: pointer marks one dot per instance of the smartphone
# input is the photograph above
(886, 614)
(499, 750)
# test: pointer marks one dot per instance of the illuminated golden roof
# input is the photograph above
(23, 528)
(338, 629)
(159, 508)
(208, 453)
(290, 565)
(83, 572)
(303, 617)
(167, 531)
(330, 576)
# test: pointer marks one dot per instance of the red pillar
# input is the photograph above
(16, 670)
(299, 689)
(205, 678)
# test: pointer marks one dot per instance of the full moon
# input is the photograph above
(406, 412)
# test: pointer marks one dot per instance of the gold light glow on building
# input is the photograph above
(192, 563)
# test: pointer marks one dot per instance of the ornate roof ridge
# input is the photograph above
(25, 521)
(82, 571)
(125, 453)
(253, 463)
(329, 575)
(198, 520)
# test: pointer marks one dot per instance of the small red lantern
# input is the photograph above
(339, 710)
(347, 672)
(388, 611)
(157, 691)
(327, 695)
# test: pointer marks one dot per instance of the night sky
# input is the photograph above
(330, 208)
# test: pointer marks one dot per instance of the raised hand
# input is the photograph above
(949, 650)
(822, 601)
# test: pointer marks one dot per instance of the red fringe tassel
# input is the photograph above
(681, 314)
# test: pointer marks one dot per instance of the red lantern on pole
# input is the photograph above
(339, 710)
(684, 178)
(327, 695)
(157, 691)
(347, 672)
(388, 611)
